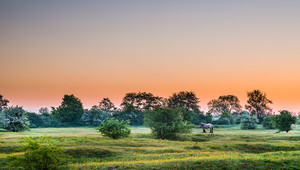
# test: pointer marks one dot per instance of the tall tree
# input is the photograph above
(107, 106)
(184, 99)
(69, 112)
(258, 104)
(187, 101)
(142, 101)
(225, 103)
(3, 102)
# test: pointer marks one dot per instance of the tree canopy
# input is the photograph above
(225, 103)
(142, 101)
(258, 104)
(3, 102)
(69, 112)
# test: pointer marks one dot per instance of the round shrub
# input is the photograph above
(14, 119)
(166, 123)
(114, 128)
(283, 121)
(248, 122)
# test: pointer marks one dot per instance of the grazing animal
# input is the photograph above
(206, 126)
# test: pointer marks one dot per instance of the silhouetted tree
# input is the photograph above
(69, 112)
(258, 104)
(226, 103)
(142, 101)
(3, 102)
(185, 100)
(107, 106)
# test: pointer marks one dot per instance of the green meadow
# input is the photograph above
(228, 147)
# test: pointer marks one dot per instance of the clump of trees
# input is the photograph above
(114, 128)
(284, 121)
(14, 119)
(167, 123)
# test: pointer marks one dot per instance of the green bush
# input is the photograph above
(283, 121)
(114, 128)
(166, 123)
(38, 155)
(248, 122)
(222, 121)
(267, 123)
(14, 119)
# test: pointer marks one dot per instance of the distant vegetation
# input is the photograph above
(225, 110)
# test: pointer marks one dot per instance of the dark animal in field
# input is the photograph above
(206, 126)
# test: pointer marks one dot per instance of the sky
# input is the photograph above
(96, 49)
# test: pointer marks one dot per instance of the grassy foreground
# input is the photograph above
(228, 148)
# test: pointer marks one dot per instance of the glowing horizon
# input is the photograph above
(106, 49)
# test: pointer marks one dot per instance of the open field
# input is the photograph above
(228, 148)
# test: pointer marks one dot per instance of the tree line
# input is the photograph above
(224, 110)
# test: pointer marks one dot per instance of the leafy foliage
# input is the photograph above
(166, 123)
(35, 120)
(226, 103)
(283, 121)
(258, 104)
(267, 123)
(142, 101)
(222, 121)
(185, 100)
(114, 128)
(129, 112)
(3, 102)
(38, 155)
(248, 122)
(14, 119)
(69, 112)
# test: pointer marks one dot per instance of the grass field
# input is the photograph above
(228, 148)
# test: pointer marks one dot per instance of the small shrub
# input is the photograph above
(248, 122)
(283, 121)
(114, 128)
(14, 119)
(167, 123)
(267, 123)
(38, 155)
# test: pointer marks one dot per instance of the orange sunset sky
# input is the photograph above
(96, 49)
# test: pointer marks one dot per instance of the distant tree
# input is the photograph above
(48, 120)
(69, 112)
(167, 123)
(129, 112)
(284, 121)
(14, 119)
(35, 120)
(226, 103)
(186, 100)
(258, 104)
(267, 123)
(142, 101)
(3, 103)
(107, 106)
